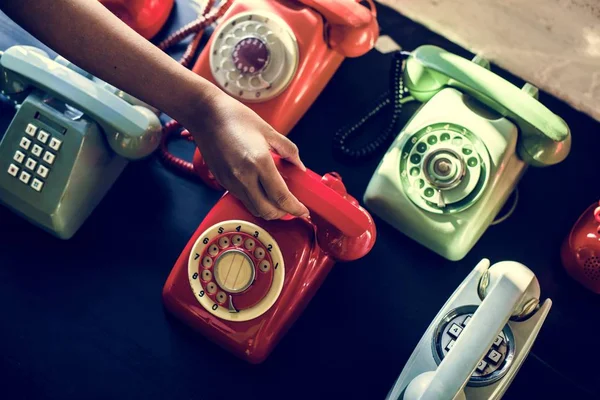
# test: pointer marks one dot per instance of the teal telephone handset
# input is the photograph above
(455, 163)
(71, 137)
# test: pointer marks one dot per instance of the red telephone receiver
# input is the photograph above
(146, 17)
(580, 252)
(243, 281)
(276, 56)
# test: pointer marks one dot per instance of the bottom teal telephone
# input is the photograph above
(71, 137)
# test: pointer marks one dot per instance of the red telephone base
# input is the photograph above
(580, 252)
(146, 17)
(306, 266)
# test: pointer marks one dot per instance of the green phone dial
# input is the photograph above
(455, 163)
(71, 137)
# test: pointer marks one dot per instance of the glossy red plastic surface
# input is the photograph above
(146, 17)
(351, 31)
(580, 252)
(310, 247)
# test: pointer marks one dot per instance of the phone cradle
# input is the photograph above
(476, 344)
(242, 281)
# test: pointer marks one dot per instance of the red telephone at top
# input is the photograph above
(243, 281)
(146, 17)
(276, 56)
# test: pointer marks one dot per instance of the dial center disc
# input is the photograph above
(444, 168)
(234, 271)
(250, 55)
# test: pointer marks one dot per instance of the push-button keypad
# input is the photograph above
(496, 360)
(35, 157)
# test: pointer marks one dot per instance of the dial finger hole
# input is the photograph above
(221, 297)
(262, 30)
(238, 32)
(213, 250)
(249, 244)
(211, 288)
(457, 140)
(270, 37)
(224, 242)
(207, 262)
(230, 41)
(206, 275)
(237, 240)
(264, 266)
(259, 253)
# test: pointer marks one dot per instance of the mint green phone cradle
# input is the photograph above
(453, 166)
(70, 139)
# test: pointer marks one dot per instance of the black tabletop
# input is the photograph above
(83, 319)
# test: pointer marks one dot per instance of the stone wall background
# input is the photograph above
(554, 44)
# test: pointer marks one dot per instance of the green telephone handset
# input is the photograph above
(70, 139)
(545, 138)
(455, 163)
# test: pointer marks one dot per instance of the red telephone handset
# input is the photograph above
(243, 281)
(146, 17)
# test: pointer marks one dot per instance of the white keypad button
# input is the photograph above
(481, 366)
(42, 171)
(498, 341)
(19, 156)
(466, 321)
(37, 184)
(30, 164)
(455, 330)
(13, 169)
(36, 150)
(43, 136)
(450, 345)
(55, 144)
(24, 177)
(48, 157)
(494, 356)
(31, 130)
(25, 143)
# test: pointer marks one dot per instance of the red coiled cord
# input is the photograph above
(171, 128)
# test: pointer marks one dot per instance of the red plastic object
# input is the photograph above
(326, 32)
(338, 230)
(580, 252)
(146, 17)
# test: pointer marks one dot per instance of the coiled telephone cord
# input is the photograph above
(394, 97)
(172, 130)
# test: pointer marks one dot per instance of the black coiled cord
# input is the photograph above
(392, 96)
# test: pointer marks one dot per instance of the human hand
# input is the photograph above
(236, 144)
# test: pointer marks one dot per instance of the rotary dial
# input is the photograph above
(254, 56)
(236, 270)
(444, 168)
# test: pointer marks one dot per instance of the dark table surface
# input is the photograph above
(83, 319)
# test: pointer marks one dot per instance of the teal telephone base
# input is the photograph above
(55, 165)
(473, 140)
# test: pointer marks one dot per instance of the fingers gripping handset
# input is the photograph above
(132, 131)
(545, 138)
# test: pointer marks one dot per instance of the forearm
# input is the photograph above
(90, 36)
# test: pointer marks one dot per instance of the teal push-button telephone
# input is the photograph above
(455, 163)
(71, 137)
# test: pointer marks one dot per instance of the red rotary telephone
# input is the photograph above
(580, 252)
(146, 17)
(243, 281)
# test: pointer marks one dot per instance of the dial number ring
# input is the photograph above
(254, 29)
(438, 149)
(244, 302)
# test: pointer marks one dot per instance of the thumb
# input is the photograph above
(286, 149)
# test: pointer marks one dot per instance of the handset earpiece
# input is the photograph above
(132, 131)
(545, 138)
(353, 28)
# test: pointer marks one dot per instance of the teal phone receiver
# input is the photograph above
(455, 163)
(71, 137)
